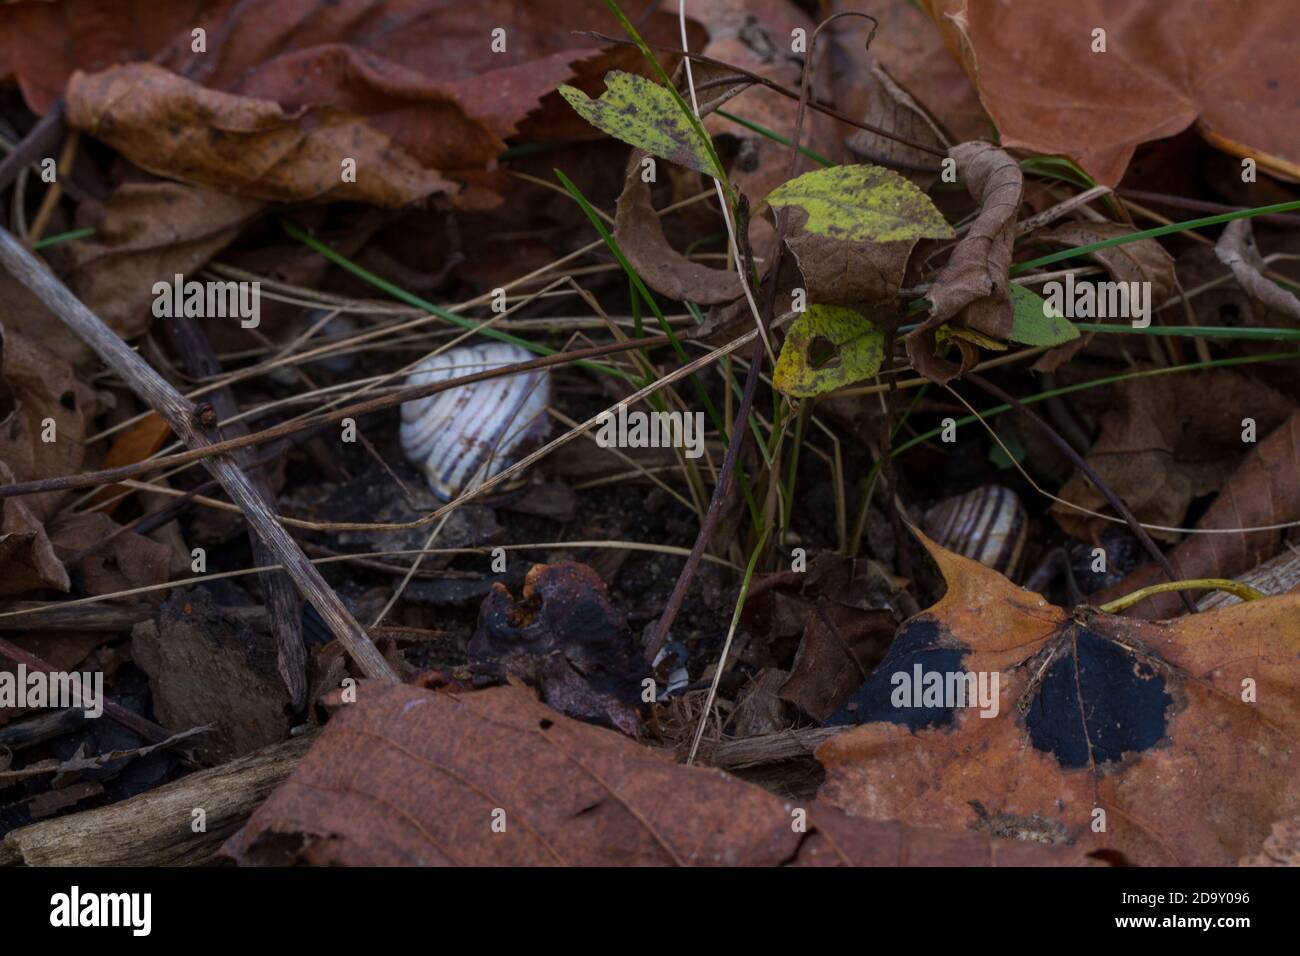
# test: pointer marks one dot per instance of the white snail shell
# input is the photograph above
(988, 524)
(465, 435)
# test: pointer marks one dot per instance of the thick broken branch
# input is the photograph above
(156, 828)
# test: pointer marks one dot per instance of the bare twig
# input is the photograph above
(281, 601)
(127, 718)
(191, 425)
(34, 145)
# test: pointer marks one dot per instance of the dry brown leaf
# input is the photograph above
(974, 283)
(21, 311)
(843, 272)
(1145, 721)
(1237, 250)
(135, 444)
(206, 668)
(640, 234)
(890, 107)
(759, 707)
(832, 619)
(27, 559)
(42, 44)
(1165, 442)
(911, 48)
(176, 128)
(44, 411)
(416, 90)
(130, 561)
(146, 233)
(1262, 492)
(407, 776)
(1228, 67)
(839, 643)
(1141, 261)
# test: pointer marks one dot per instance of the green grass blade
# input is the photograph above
(1168, 230)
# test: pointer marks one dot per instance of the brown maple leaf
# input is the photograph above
(407, 776)
(1165, 742)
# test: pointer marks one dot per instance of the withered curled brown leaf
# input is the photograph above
(974, 285)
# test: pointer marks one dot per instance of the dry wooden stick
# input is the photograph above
(154, 828)
(192, 426)
(281, 601)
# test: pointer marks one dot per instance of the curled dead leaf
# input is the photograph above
(974, 283)
(640, 234)
(1236, 249)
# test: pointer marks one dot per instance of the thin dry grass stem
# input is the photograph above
(736, 258)
(356, 393)
(506, 474)
(637, 468)
(918, 382)
(421, 318)
(363, 555)
(650, 371)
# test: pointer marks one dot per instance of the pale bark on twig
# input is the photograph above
(186, 421)
(156, 827)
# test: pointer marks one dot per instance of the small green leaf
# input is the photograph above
(644, 114)
(1033, 323)
(998, 456)
(828, 347)
(862, 203)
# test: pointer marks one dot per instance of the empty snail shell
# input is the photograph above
(462, 437)
(988, 524)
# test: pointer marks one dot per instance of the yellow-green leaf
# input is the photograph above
(828, 347)
(862, 203)
(644, 114)
(1034, 323)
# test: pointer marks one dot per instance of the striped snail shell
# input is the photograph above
(988, 524)
(465, 435)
